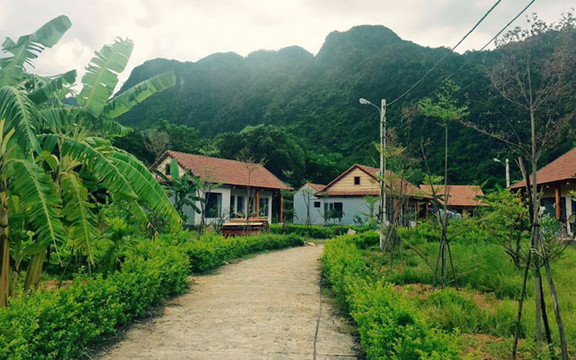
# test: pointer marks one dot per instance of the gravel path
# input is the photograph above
(266, 307)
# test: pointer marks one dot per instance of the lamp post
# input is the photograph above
(383, 212)
(507, 164)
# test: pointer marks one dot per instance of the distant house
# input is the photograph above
(346, 199)
(555, 181)
(244, 189)
(307, 205)
(462, 199)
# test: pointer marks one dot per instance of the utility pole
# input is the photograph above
(384, 212)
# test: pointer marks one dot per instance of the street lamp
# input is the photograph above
(507, 164)
(383, 212)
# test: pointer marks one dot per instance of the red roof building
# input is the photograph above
(556, 182)
(463, 199)
(243, 188)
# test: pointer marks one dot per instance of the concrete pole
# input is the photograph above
(383, 217)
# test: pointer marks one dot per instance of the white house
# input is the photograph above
(243, 189)
(352, 198)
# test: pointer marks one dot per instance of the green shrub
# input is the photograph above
(315, 231)
(209, 252)
(62, 324)
(389, 325)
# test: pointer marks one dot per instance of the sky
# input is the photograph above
(189, 30)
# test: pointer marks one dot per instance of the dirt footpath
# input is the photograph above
(266, 307)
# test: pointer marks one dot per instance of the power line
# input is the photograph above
(446, 55)
(482, 48)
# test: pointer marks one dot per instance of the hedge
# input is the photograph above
(64, 323)
(389, 327)
(315, 231)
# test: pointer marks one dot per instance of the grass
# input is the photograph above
(480, 312)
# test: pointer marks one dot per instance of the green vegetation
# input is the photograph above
(314, 231)
(64, 323)
(57, 165)
(478, 312)
(389, 327)
(315, 100)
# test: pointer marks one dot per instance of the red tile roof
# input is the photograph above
(392, 180)
(315, 187)
(458, 195)
(561, 169)
(224, 171)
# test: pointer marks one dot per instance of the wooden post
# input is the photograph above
(558, 202)
(426, 209)
(417, 210)
(281, 217)
(257, 205)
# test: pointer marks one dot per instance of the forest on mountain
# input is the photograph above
(300, 113)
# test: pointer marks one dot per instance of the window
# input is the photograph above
(316, 204)
(232, 204)
(334, 210)
(240, 204)
(213, 205)
(356, 180)
(167, 169)
(263, 207)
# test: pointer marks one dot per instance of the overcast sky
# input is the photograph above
(189, 30)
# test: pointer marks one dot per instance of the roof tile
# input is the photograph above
(561, 169)
(224, 171)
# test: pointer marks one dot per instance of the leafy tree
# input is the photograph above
(282, 151)
(182, 189)
(536, 79)
(444, 107)
(53, 153)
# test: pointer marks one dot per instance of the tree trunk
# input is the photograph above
(4, 242)
(34, 270)
(520, 306)
(4, 251)
(561, 333)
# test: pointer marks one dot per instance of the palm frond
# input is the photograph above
(58, 119)
(149, 190)
(101, 75)
(51, 89)
(78, 212)
(20, 114)
(28, 47)
(138, 93)
(92, 152)
(40, 198)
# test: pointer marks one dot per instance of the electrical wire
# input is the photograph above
(446, 55)
(482, 48)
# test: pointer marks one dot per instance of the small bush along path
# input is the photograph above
(266, 307)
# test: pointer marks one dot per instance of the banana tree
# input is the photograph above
(182, 188)
(48, 150)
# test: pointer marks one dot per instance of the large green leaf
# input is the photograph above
(52, 87)
(79, 214)
(58, 119)
(101, 75)
(28, 47)
(92, 153)
(39, 198)
(20, 114)
(138, 93)
(149, 190)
